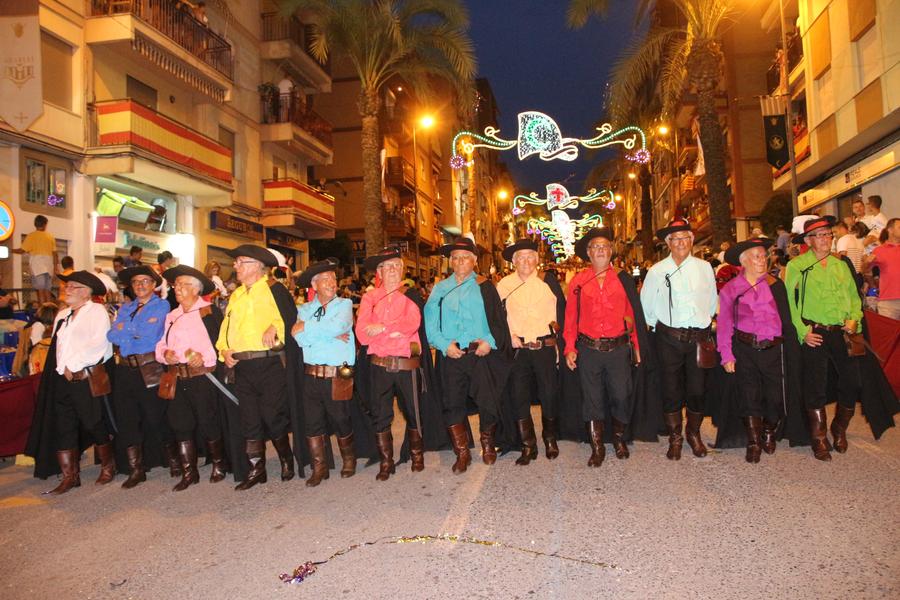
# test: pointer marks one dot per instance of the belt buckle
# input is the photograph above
(393, 364)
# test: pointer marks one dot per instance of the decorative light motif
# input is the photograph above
(539, 134)
(560, 231)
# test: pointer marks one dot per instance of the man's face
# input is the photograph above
(325, 285)
(525, 262)
(680, 244)
(859, 209)
(873, 210)
(599, 250)
(186, 291)
(77, 294)
(894, 232)
(117, 266)
(137, 255)
(246, 268)
(391, 272)
(820, 240)
(462, 262)
(754, 260)
(143, 287)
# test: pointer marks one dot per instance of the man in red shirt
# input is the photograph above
(600, 335)
(887, 258)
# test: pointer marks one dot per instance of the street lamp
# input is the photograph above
(663, 129)
(425, 122)
(502, 195)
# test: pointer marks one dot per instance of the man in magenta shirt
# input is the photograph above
(887, 258)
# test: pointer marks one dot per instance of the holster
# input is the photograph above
(856, 344)
(98, 380)
(151, 371)
(228, 375)
(707, 357)
(341, 388)
(168, 383)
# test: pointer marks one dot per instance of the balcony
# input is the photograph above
(168, 37)
(287, 121)
(127, 137)
(286, 41)
(400, 175)
(298, 208)
(794, 58)
(399, 226)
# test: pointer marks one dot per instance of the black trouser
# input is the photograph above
(461, 377)
(75, 406)
(195, 407)
(605, 382)
(260, 385)
(138, 409)
(534, 366)
(815, 371)
(319, 409)
(760, 380)
(383, 386)
(682, 380)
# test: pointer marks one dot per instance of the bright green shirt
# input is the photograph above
(830, 293)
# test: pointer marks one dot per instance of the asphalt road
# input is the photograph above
(789, 527)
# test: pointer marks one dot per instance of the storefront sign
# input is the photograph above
(285, 240)
(132, 239)
(7, 222)
(220, 221)
(105, 231)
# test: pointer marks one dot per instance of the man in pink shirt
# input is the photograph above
(388, 323)
(887, 258)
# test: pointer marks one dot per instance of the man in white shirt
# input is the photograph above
(875, 220)
(847, 244)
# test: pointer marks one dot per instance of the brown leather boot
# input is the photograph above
(107, 463)
(619, 445)
(71, 471)
(189, 474)
(598, 450)
(256, 454)
(769, 431)
(488, 448)
(842, 416)
(673, 424)
(384, 440)
(548, 434)
(416, 450)
(214, 450)
(460, 440)
(317, 458)
(817, 431)
(348, 456)
(285, 456)
(136, 464)
(171, 452)
(692, 433)
(754, 428)
(529, 441)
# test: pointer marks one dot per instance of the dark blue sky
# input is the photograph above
(534, 62)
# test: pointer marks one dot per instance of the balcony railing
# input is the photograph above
(300, 198)
(290, 108)
(276, 27)
(174, 20)
(794, 56)
(400, 174)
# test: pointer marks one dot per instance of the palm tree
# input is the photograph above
(413, 39)
(677, 57)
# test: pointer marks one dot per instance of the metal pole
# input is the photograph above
(416, 198)
(789, 113)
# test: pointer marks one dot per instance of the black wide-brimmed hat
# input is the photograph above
(595, 232)
(387, 253)
(674, 225)
(126, 275)
(813, 224)
(460, 243)
(522, 244)
(183, 270)
(733, 254)
(255, 252)
(323, 266)
(87, 279)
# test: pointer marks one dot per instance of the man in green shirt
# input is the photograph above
(825, 306)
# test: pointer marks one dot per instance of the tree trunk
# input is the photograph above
(714, 162)
(373, 208)
(647, 243)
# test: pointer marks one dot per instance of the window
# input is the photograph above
(45, 182)
(825, 96)
(868, 56)
(140, 92)
(227, 139)
(56, 66)
(279, 168)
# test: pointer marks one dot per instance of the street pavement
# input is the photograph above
(789, 527)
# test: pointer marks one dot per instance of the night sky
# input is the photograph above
(534, 62)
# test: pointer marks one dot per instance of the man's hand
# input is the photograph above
(194, 359)
(374, 329)
(729, 367)
(68, 374)
(229, 359)
(813, 340)
(298, 327)
(483, 348)
(344, 337)
(516, 342)
(170, 358)
(453, 351)
(571, 360)
(269, 336)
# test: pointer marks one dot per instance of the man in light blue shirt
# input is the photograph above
(680, 299)
(324, 331)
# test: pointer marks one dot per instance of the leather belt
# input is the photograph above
(320, 371)
(815, 325)
(80, 375)
(185, 371)
(603, 344)
(684, 334)
(472, 347)
(541, 342)
(395, 363)
(750, 340)
(254, 354)
(136, 360)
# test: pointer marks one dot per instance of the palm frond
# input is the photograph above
(639, 63)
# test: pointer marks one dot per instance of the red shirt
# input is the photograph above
(604, 310)
(400, 316)
(887, 259)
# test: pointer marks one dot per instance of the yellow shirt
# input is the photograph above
(530, 308)
(250, 312)
(39, 243)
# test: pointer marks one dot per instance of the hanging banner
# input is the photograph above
(105, 232)
(21, 92)
(777, 153)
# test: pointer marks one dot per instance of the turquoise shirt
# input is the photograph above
(455, 313)
(320, 330)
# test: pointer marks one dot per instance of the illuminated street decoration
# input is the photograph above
(539, 134)
(560, 231)
(558, 198)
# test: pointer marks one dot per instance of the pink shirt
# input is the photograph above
(887, 259)
(400, 316)
(185, 331)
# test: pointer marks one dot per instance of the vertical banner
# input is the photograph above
(774, 109)
(21, 94)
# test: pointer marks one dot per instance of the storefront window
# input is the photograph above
(45, 182)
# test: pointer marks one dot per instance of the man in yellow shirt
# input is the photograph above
(41, 248)
(251, 342)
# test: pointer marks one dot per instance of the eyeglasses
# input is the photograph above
(677, 240)
(74, 287)
(141, 281)
(821, 236)
(597, 247)
(387, 266)
(244, 261)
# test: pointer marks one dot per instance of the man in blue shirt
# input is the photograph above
(324, 331)
(465, 324)
(140, 412)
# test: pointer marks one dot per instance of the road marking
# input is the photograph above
(17, 501)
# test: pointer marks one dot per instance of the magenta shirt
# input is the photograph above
(185, 331)
(757, 313)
